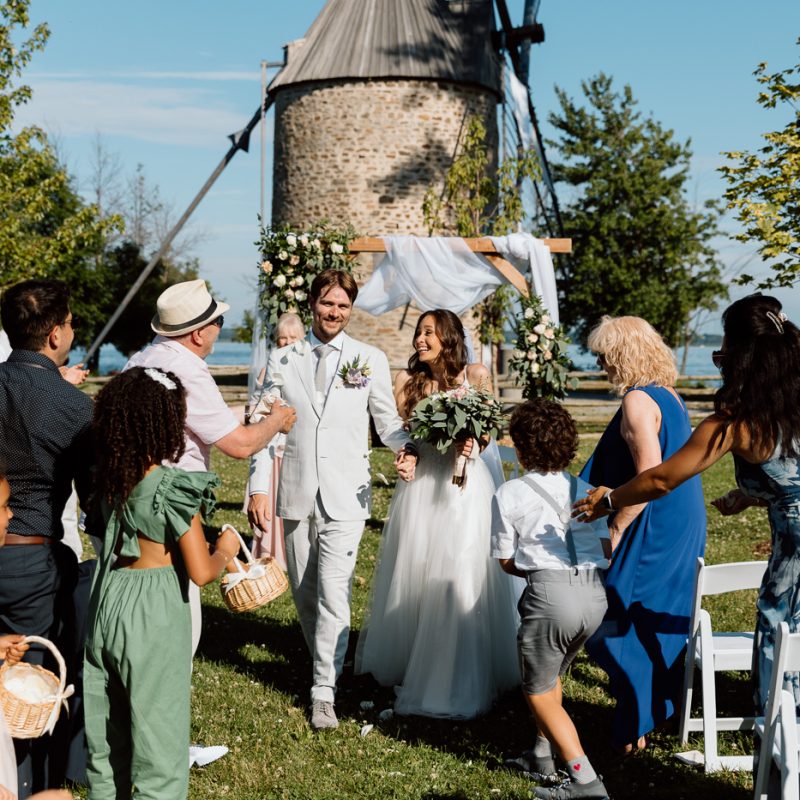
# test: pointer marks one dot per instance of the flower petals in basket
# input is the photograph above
(31, 697)
(263, 581)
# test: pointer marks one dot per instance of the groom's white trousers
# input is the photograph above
(321, 556)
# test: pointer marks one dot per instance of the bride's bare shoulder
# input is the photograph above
(401, 379)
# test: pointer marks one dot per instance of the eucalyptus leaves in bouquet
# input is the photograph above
(291, 259)
(540, 364)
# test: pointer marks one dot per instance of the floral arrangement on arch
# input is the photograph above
(540, 364)
(291, 259)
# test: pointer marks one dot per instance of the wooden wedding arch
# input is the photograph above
(483, 245)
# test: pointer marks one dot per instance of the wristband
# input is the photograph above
(607, 500)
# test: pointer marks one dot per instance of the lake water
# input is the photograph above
(234, 354)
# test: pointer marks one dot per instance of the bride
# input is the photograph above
(442, 622)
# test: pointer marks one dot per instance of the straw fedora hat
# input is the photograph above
(185, 307)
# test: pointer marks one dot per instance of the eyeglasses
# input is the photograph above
(74, 322)
(219, 321)
(718, 358)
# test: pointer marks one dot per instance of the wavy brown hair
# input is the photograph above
(451, 361)
(137, 422)
(761, 374)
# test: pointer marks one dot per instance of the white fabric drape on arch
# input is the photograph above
(442, 272)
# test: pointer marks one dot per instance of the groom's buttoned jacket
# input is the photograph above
(327, 450)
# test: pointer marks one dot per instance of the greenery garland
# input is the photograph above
(291, 259)
(540, 364)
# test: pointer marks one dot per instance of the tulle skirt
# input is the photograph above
(442, 621)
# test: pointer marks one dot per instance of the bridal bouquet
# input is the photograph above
(444, 418)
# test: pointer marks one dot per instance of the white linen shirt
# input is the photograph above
(208, 418)
(525, 526)
(331, 360)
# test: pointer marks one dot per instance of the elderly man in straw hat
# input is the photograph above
(187, 324)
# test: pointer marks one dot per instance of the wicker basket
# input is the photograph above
(26, 719)
(249, 593)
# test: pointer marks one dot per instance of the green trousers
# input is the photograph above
(137, 683)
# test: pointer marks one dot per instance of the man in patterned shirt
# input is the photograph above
(45, 428)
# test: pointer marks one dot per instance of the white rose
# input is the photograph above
(300, 296)
(298, 281)
(294, 260)
(280, 280)
(531, 355)
(531, 338)
(535, 368)
(548, 355)
(304, 240)
(291, 240)
(283, 255)
(289, 294)
(528, 313)
(316, 244)
(266, 267)
(519, 354)
(337, 248)
(539, 328)
(550, 333)
(289, 271)
(545, 319)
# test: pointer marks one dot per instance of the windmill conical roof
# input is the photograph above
(414, 39)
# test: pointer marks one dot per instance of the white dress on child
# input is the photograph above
(442, 622)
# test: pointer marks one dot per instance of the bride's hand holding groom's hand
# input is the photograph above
(406, 463)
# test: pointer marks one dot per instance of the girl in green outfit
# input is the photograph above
(138, 655)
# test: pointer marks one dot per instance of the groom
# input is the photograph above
(335, 383)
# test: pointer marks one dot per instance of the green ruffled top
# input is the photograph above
(161, 508)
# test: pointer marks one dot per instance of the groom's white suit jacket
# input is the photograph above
(328, 448)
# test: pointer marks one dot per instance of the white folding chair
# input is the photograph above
(508, 455)
(713, 652)
(778, 727)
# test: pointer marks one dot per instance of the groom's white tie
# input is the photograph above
(321, 372)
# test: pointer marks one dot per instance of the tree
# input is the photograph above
(763, 186)
(638, 247)
(121, 267)
(46, 230)
(474, 202)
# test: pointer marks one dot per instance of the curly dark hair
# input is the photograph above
(761, 374)
(137, 422)
(544, 434)
(452, 359)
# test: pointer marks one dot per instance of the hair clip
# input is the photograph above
(159, 377)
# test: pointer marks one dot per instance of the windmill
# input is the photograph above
(445, 26)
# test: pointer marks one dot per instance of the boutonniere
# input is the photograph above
(356, 373)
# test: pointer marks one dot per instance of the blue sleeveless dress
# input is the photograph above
(778, 482)
(651, 579)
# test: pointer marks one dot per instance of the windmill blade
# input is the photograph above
(511, 42)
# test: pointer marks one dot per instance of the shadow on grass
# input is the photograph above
(505, 731)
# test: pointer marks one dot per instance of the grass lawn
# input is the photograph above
(253, 673)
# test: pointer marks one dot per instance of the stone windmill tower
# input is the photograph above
(368, 113)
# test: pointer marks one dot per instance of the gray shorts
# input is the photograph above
(559, 610)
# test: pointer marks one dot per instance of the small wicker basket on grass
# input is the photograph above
(247, 591)
(31, 696)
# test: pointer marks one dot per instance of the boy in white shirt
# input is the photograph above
(564, 601)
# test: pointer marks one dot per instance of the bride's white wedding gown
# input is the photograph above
(442, 622)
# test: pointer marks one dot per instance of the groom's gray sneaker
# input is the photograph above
(323, 717)
(594, 790)
(541, 769)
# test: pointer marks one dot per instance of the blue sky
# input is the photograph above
(163, 84)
